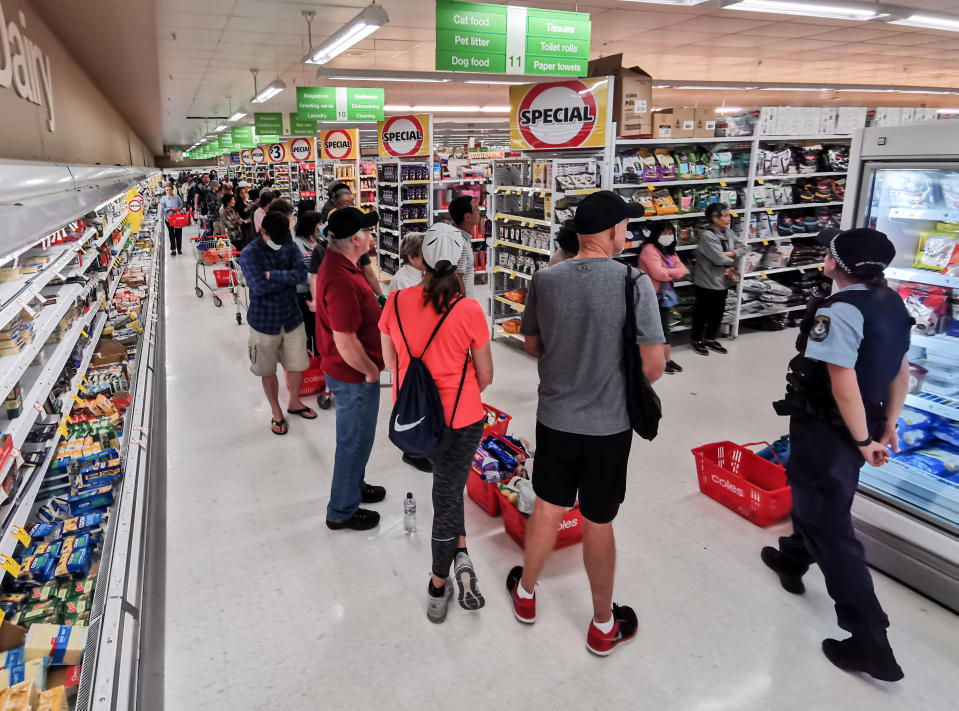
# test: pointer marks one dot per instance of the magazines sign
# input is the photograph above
(338, 144)
(559, 115)
(403, 136)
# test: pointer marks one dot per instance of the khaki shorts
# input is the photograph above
(289, 347)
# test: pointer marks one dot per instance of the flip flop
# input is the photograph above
(302, 412)
(284, 428)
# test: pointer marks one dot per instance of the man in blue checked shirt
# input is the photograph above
(273, 267)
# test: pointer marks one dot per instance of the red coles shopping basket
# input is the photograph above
(179, 218)
(483, 494)
(313, 380)
(224, 278)
(502, 421)
(740, 480)
(570, 528)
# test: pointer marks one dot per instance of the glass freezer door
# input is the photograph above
(917, 206)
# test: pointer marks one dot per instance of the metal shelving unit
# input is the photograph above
(402, 178)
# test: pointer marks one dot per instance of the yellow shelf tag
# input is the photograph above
(82, 389)
(820, 269)
(722, 183)
(84, 333)
(62, 428)
(760, 181)
(734, 214)
(83, 379)
(769, 211)
(20, 535)
(651, 187)
(765, 243)
(764, 275)
(77, 398)
(10, 565)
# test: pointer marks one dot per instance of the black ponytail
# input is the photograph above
(443, 286)
(877, 282)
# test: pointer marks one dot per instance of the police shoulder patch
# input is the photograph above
(820, 329)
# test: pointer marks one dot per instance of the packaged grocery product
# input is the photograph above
(98, 498)
(909, 189)
(22, 697)
(935, 250)
(54, 699)
(649, 165)
(76, 589)
(645, 198)
(666, 164)
(914, 437)
(11, 658)
(42, 530)
(49, 611)
(941, 461)
(63, 644)
(663, 202)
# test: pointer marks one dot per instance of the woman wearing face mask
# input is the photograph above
(716, 254)
(658, 259)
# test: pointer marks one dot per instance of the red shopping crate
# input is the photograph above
(224, 278)
(570, 528)
(740, 480)
(502, 421)
(484, 495)
(179, 218)
(313, 380)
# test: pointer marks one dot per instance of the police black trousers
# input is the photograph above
(176, 237)
(450, 470)
(708, 312)
(823, 472)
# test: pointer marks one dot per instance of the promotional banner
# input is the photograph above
(225, 142)
(339, 144)
(258, 155)
(276, 153)
(268, 124)
(242, 137)
(266, 139)
(328, 103)
(559, 115)
(503, 39)
(301, 150)
(245, 157)
(302, 126)
(402, 136)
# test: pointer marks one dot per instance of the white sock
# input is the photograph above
(521, 592)
(605, 627)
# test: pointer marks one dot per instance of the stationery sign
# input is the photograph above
(504, 39)
(339, 144)
(268, 124)
(328, 103)
(242, 137)
(402, 136)
(301, 126)
(559, 115)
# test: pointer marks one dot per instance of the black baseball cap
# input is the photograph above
(602, 210)
(348, 221)
(862, 252)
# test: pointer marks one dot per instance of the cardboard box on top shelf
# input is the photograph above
(768, 117)
(662, 124)
(908, 116)
(789, 121)
(827, 119)
(684, 123)
(850, 118)
(632, 95)
(705, 123)
(888, 116)
(811, 116)
(924, 114)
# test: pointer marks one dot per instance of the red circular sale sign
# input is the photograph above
(301, 149)
(135, 204)
(257, 155)
(558, 115)
(403, 136)
(337, 144)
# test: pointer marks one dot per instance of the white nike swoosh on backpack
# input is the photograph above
(402, 428)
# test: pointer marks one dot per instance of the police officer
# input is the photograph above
(845, 390)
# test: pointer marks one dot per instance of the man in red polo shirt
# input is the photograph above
(347, 313)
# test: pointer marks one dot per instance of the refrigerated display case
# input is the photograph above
(905, 183)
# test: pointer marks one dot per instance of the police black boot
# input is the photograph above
(867, 652)
(790, 574)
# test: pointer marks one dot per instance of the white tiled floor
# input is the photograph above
(267, 608)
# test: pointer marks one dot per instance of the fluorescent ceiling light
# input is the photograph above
(947, 111)
(793, 88)
(396, 107)
(221, 128)
(786, 7)
(867, 91)
(237, 115)
(496, 81)
(462, 109)
(360, 27)
(494, 109)
(728, 109)
(424, 80)
(670, 2)
(924, 91)
(716, 88)
(269, 91)
(929, 22)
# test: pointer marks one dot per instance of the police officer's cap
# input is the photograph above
(862, 252)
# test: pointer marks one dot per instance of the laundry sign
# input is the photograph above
(25, 69)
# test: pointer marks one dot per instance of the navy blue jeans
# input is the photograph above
(357, 405)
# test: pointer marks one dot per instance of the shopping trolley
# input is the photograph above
(216, 254)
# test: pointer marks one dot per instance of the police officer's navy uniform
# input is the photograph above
(866, 329)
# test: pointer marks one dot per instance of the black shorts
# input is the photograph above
(665, 315)
(593, 466)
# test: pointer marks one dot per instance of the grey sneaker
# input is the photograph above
(436, 606)
(470, 598)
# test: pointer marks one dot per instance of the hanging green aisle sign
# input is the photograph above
(301, 126)
(267, 138)
(328, 103)
(242, 137)
(270, 124)
(501, 39)
(225, 142)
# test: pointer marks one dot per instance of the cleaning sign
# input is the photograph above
(402, 136)
(559, 115)
(338, 144)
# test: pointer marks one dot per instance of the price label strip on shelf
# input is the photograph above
(722, 183)
(62, 428)
(769, 211)
(10, 565)
(26, 307)
(21, 535)
(734, 214)
(760, 181)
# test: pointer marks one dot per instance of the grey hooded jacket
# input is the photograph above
(711, 260)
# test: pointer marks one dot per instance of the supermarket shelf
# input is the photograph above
(415, 202)
(931, 497)
(681, 141)
(386, 251)
(578, 191)
(519, 189)
(779, 270)
(936, 404)
(395, 208)
(771, 312)
(387, 229)
(537, 250)
(783, 176)
(923, 276)
(389, 185)
(797, 206)
(674, 183)
(483, 272)
(459, 181)
(416, 221)
(502, 217)
(478, 239)
(446, 210)
(677, 216)
(939, 215)
(780, 238)
(510, 272)
(827, 137)
(507, 334)
(512, 304)
(373, 175)
(937, 344)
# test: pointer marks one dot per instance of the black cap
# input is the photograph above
(348, 221)
(277, 227)
(862, 252)
(825, 236)
(603, 210)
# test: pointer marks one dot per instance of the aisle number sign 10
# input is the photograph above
(328, 103)
(504, 39)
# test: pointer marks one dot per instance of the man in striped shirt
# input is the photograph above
(465, 215)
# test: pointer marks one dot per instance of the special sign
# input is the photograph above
(301, 149)
(276, 153)
(402, 136)
(257, 155)
(559, 115)
(338, 144)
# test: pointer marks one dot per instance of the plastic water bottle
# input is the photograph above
(409, 512)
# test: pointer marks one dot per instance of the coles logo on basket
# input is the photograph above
(338, 144)
(403, 135)
(727, 485)
(301, 149)
(558, 114)
(566, 525)
(257, 155)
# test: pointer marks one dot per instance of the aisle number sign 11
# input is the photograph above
(329, 103)
(504, 39)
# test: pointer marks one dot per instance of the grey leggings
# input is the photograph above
(450, 470)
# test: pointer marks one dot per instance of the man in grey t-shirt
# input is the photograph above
(573, 322)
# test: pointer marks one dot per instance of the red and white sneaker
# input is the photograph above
(624, 629)
(523, 609)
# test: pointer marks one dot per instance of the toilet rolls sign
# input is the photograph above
(24, 69)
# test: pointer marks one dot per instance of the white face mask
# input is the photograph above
(666, 240)
(273, 245)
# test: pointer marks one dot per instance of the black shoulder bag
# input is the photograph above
(642, 403)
